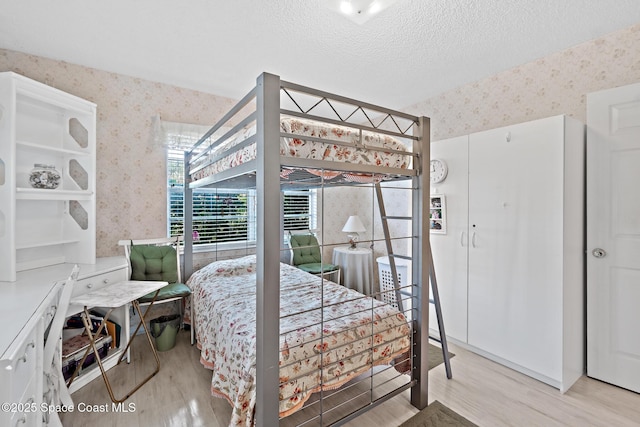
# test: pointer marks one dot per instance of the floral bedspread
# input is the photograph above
(327, 346)
(299, 147)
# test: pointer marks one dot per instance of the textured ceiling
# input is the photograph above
(411, 51)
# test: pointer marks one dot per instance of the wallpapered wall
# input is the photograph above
(131, 172)
(556, 84)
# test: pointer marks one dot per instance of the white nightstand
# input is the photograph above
(357, 268)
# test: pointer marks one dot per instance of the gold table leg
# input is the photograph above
(86, 319)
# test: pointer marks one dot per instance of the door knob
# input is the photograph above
(599, 253)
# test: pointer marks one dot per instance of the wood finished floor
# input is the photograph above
(482, 391)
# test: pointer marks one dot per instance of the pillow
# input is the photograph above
(149, 262)
(305, 249)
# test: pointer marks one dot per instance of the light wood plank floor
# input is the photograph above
(484, 392)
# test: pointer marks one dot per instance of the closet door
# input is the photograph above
(450, 249)
(515, 244)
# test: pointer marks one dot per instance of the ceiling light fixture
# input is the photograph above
(359, 11)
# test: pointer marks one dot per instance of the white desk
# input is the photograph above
(357, 268)
(26, 309)
(113, 296)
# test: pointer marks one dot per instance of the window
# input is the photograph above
(228, 215)
(219, 216)
(298, 208)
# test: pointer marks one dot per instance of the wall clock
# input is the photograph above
(438, 171)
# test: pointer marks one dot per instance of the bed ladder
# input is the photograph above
(442, 339)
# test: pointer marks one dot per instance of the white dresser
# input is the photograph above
(26, 308)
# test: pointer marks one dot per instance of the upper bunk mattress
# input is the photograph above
(372, 150)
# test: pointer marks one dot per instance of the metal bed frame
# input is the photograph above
(263, 105)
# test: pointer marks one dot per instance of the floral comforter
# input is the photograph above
(299, 147)
(327, 346)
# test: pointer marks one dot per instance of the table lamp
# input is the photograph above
(352, 228)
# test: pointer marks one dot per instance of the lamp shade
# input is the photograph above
(354, 225)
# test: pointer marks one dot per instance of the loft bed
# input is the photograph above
(286, 136)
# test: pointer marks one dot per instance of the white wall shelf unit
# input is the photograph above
(45, 226)
(511, 269)
(28, 193)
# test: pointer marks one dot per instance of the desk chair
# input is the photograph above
(55, 391)
(158, 259)
(307, 256)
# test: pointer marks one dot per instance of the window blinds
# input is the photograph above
(224, 215)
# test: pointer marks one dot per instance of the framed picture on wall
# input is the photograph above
(437, 214)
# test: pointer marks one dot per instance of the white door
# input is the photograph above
(613, 236)
(450, 249)
(515, 244)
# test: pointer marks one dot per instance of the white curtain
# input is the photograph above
(174, 135)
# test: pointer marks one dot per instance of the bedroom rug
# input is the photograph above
(434, 355)
(437, 415)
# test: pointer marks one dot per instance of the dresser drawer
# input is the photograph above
(22, 364)
(28, 410)
(96, 282)
(49, 312)
(20, 419)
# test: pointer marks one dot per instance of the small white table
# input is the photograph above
(357, 267)
(113, 296)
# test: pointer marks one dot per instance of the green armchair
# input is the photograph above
(307, 256)
(158, 259)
